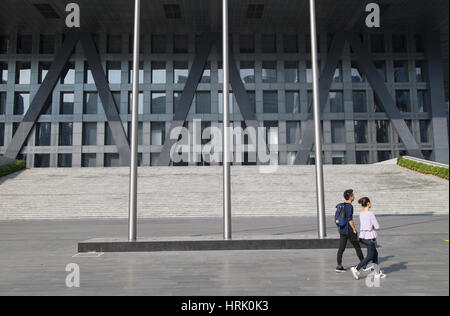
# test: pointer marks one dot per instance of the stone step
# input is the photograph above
(78, 193)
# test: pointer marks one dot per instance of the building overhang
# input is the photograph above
(116, 16)
(205, 15)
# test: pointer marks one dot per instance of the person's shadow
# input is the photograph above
(384, 259)
(395, 267)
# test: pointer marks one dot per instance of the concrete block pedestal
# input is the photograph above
(207, 244)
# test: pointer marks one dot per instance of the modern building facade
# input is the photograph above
(271, 52)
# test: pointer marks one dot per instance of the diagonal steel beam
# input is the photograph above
(238, 86)
(241, 95)
(109, 105)
(55, 72)
(326, 80)
(208, 40)
(42, 96)
(364, 61)
(187, 96)
(242, 98)
(373, 77)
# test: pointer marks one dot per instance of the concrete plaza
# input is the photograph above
(34, 254)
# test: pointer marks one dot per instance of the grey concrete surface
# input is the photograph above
(34, 254)
(197, 192)
(206, 244)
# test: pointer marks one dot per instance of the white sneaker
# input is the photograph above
(355, 273)
(369, 267)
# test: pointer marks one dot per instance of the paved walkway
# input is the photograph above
(34, 254)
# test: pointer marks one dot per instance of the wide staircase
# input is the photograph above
(82, 193)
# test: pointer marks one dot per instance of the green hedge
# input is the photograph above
(423, 168)
(12, 167)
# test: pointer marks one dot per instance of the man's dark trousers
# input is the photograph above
(343, 244)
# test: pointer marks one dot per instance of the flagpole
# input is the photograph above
(227, 231)
(132, 219)
(317, 126)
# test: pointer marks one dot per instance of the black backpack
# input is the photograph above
(339, 217)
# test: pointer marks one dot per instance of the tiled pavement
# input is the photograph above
(34, 254)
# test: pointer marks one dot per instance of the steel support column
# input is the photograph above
(437, 97)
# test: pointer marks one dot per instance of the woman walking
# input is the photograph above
(368, 236)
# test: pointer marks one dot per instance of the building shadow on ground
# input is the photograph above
(10, 176)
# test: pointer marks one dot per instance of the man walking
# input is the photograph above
(348, 232)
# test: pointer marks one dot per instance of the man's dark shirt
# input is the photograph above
(347, 229)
